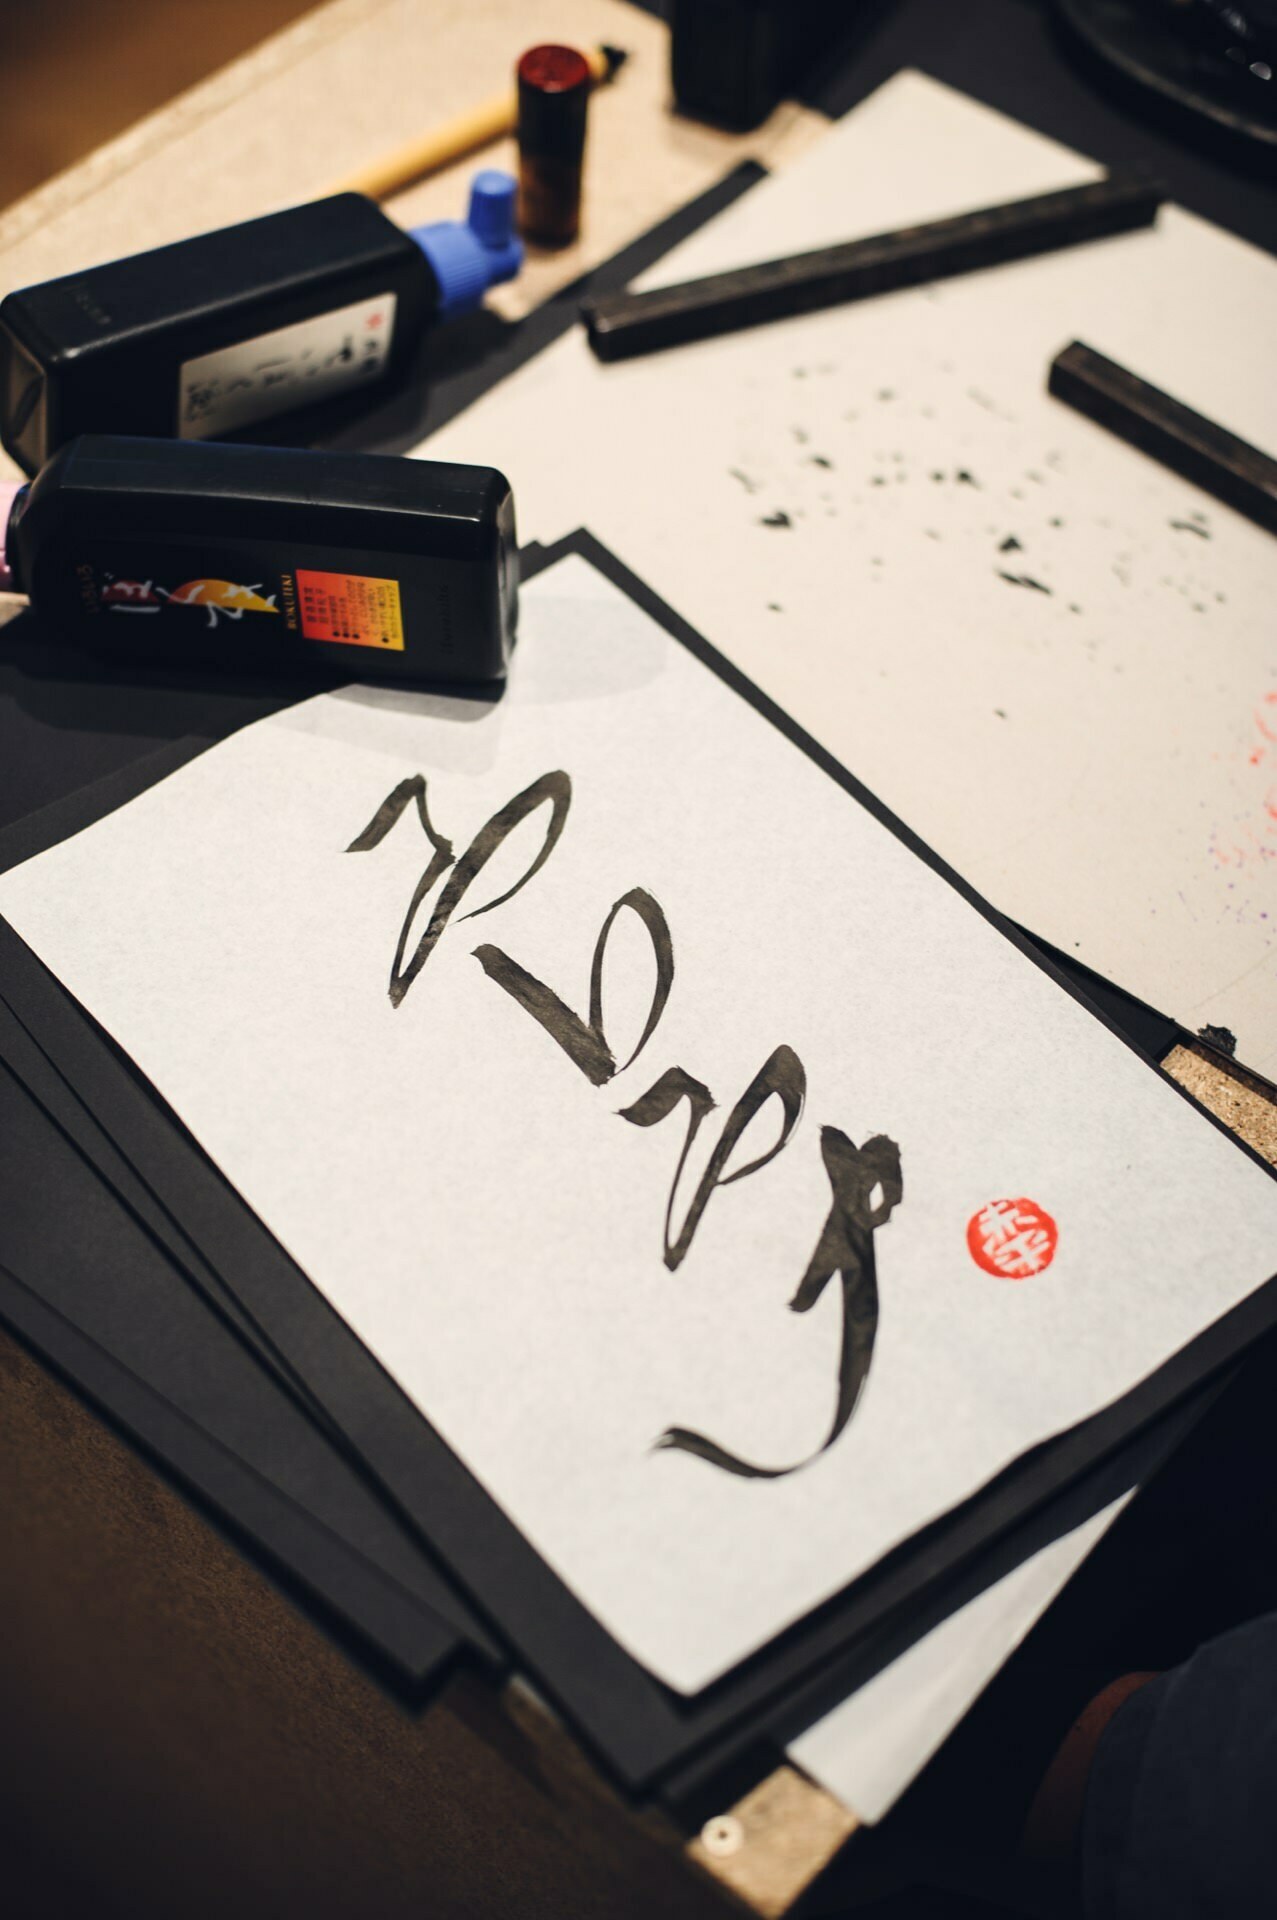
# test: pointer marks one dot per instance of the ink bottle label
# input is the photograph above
(269, 559)
(351, 609)
(341, 609)
(290, 367)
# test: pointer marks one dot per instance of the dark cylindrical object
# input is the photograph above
(554, 94)
(268, 558)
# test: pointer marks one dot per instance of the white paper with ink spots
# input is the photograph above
(1060, 669)
(491, 1225)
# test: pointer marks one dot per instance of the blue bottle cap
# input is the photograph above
(470, 256)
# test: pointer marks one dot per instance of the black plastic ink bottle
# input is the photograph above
(208, 336)
(267, 558)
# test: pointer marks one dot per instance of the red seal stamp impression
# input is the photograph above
(1012, 1239)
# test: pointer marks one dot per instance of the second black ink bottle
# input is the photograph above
(208, 336)
(270, 559)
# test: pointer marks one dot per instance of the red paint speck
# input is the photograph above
(1012, 1239)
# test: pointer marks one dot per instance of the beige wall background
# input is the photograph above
(76, 72)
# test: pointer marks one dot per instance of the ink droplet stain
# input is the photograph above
(886, 393)
(965, 479)
(1022, 580)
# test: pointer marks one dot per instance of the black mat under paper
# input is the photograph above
(383, 1626)
(637, 1728)
(134, 1333)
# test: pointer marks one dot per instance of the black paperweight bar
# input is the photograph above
(1207, 454)
(621, 324)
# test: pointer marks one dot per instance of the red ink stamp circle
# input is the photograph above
(1012, 1239)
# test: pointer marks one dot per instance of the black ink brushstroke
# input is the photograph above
(413, 788)
(845, 1247)
(554, 788)
(650, 912)
(782, 1075)
(656, 1105)
(584, 1045)
(855, 1174)
(584, 1041)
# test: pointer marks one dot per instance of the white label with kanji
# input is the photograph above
(291, 367)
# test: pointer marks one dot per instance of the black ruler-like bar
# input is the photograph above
(628, 323)
(1206, 454)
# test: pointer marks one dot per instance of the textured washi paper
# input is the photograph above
(1048, 654)
(731, 1194)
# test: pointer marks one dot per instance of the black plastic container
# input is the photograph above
(269, 558)
(214, 334)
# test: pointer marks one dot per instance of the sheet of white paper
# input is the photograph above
(1053, 658)
(493, 1227)
(873, 1746)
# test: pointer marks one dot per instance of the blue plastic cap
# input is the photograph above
(491, 217)
(471, 256)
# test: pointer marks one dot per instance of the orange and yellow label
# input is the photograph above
(351, 609)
